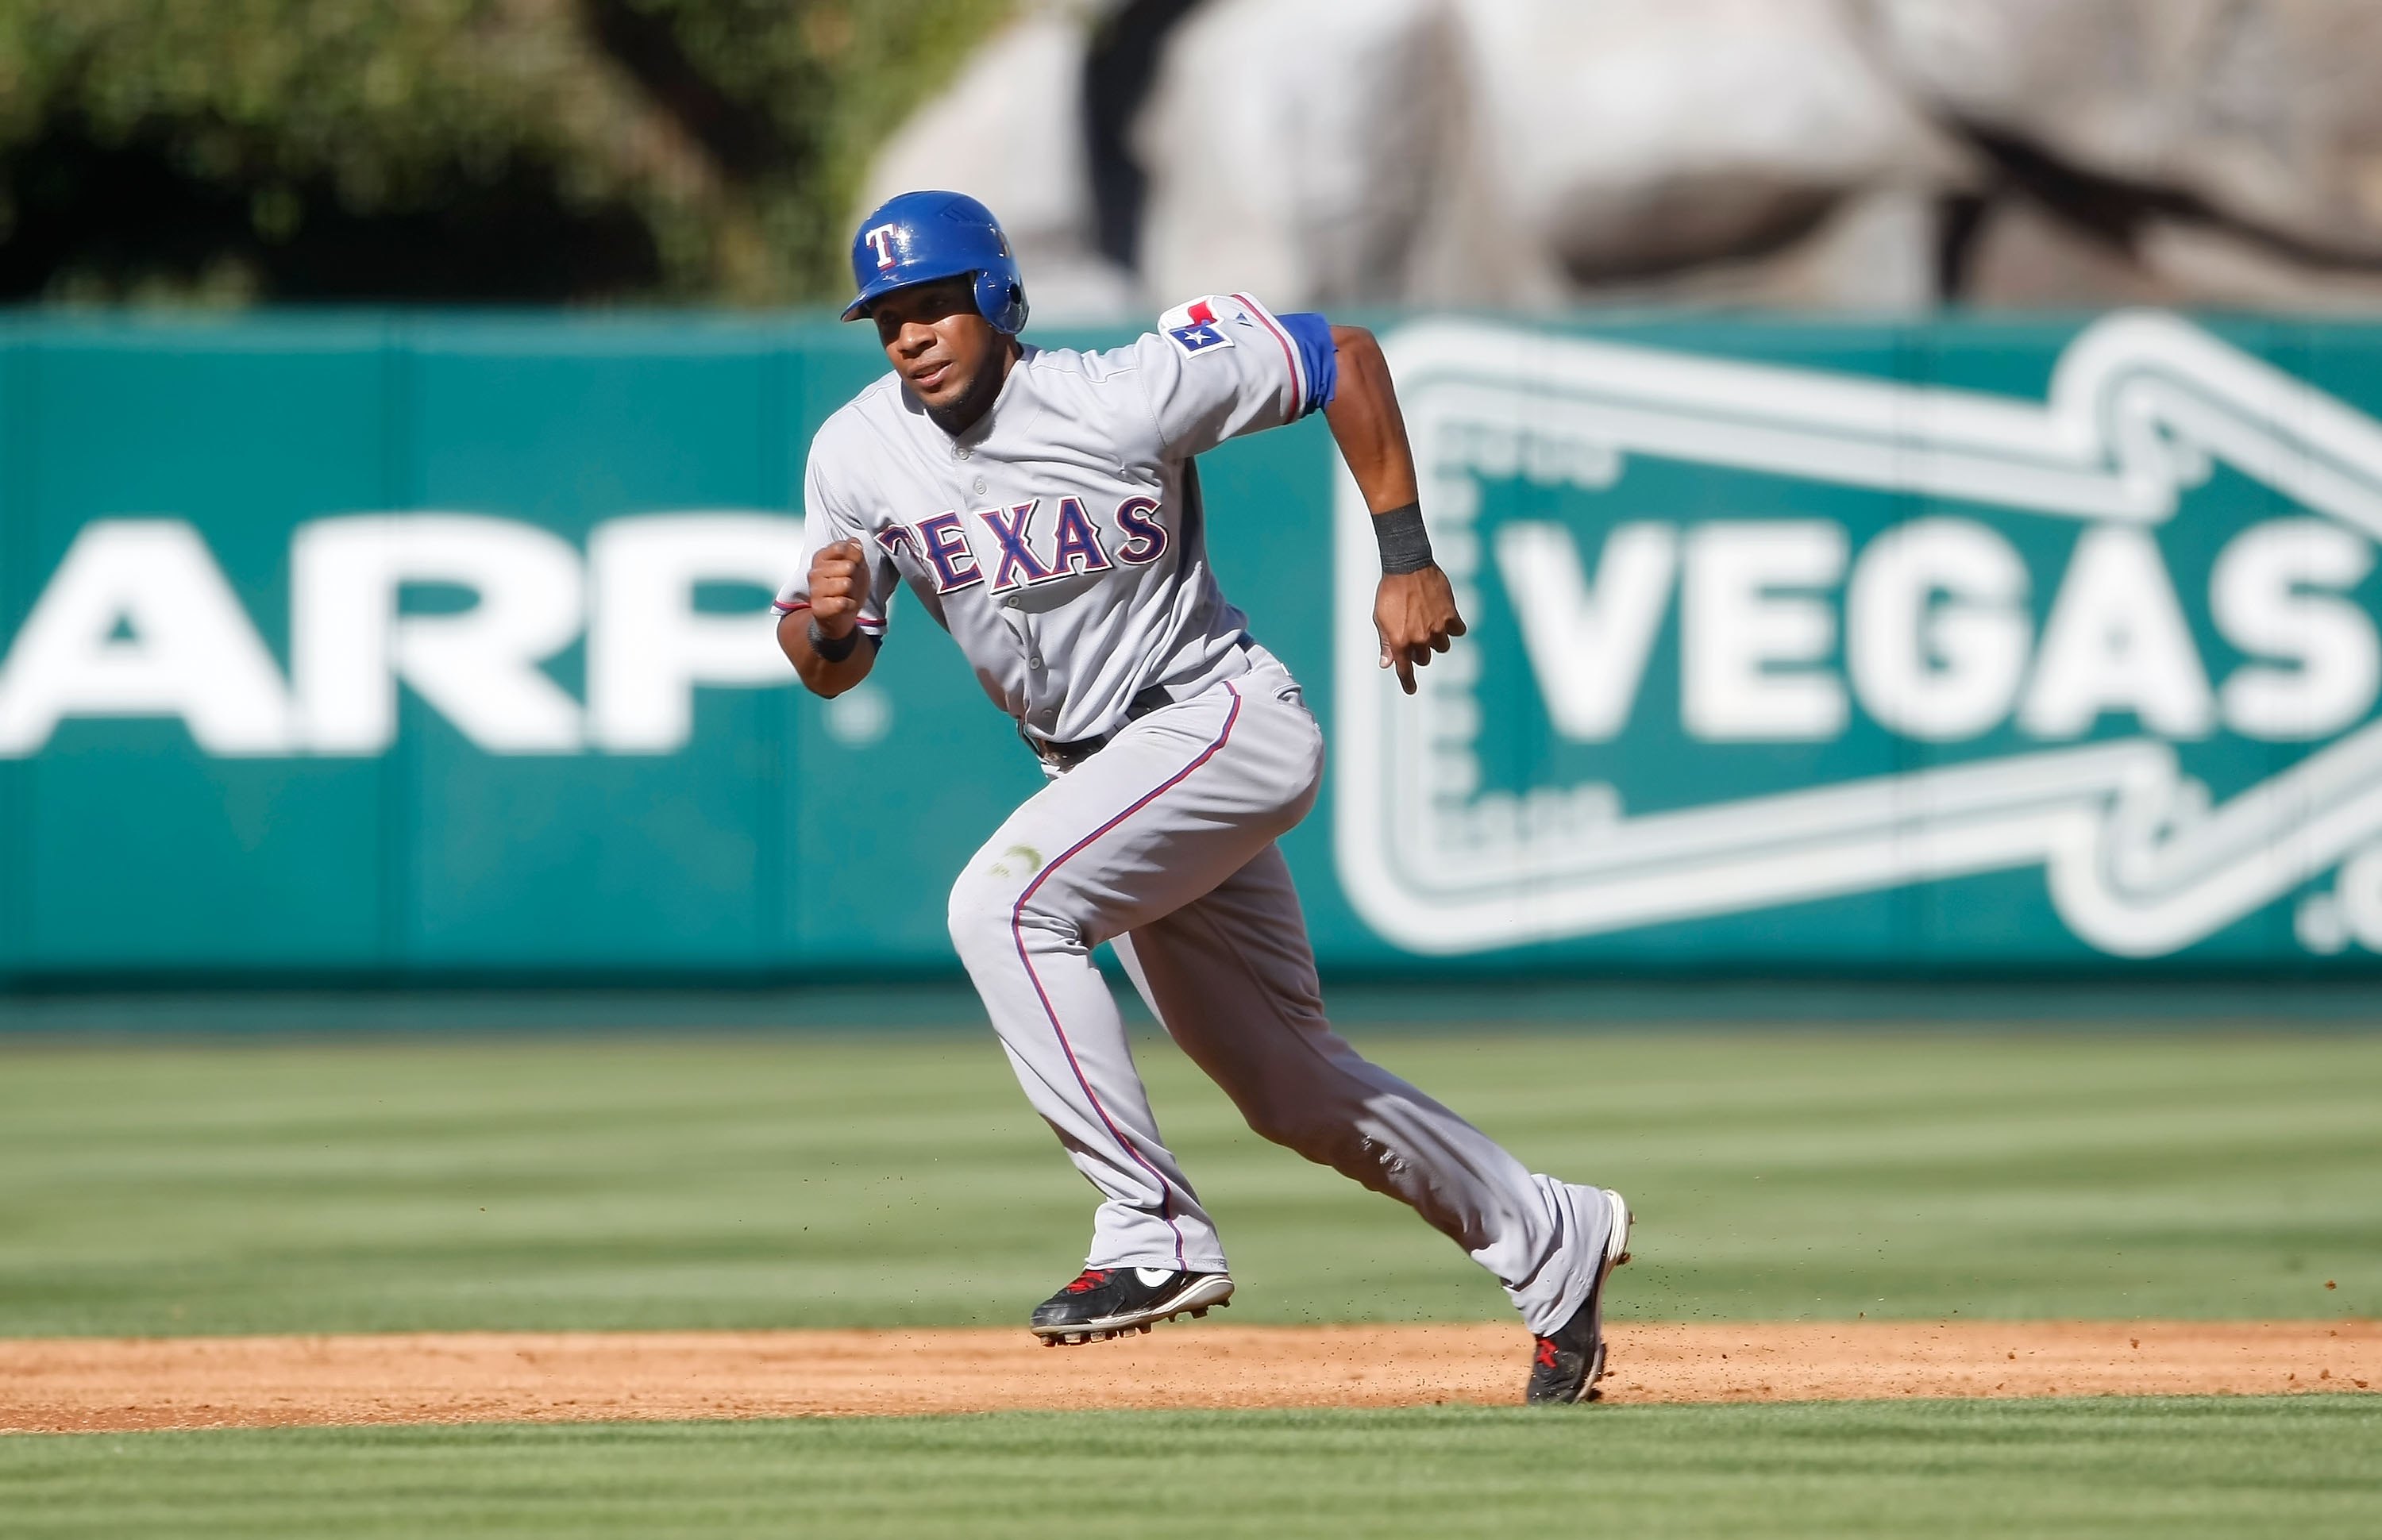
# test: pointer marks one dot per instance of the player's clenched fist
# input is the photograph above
(838, 587)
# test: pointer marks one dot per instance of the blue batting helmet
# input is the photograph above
(920, 236)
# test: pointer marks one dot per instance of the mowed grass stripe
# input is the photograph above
(555, 1183)
(2230, 1468)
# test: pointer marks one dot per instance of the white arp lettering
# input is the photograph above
(350, 646)
(1737, 628)
(647, 645)
(190, 650)
(1587, 641)
(138, 621)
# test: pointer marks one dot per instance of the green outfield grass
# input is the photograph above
(803, 1181)
(2301, 1467)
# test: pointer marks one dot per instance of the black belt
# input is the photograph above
(1067, 756)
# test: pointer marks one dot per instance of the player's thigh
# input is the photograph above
(1178, 804)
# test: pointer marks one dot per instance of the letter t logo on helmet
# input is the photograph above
(920, 236)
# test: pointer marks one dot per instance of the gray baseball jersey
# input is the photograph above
(1060, 541)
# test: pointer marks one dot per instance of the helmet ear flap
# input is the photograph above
(1001, 299)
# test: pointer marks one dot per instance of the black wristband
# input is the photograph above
(833, 649)
(1406, 545)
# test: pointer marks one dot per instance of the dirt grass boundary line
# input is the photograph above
(64, 1385)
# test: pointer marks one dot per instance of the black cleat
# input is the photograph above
(1111, 1301)
(1567, 1365)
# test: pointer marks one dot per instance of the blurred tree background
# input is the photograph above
(229, 151)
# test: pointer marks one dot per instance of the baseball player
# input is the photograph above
(1044, 508)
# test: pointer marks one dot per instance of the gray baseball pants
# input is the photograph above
(1163, 843)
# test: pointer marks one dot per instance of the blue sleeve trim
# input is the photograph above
(1317, 355)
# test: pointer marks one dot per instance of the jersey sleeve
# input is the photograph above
(826, 519)
(1224, 365)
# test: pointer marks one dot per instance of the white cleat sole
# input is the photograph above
(1194, 1300)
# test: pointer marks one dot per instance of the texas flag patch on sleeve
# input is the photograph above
(1194, 328)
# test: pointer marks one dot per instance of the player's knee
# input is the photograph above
(983, 910)
(1329, 1140)
(1295, 1123)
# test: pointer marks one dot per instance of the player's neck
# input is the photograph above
(982, 392)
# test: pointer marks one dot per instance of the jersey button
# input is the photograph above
(964, 454)
(1034, 663)
(979, 486)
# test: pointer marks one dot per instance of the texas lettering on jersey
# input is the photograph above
(939, 545)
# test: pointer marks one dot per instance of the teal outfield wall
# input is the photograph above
(413, 648)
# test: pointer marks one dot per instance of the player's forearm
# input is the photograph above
(1367, 424)
(827, 678)
(1414, 610)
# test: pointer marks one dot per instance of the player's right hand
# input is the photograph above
(838, 587)
(1416, 615)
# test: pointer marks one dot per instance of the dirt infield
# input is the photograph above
(101, 1384)
(93, 1385)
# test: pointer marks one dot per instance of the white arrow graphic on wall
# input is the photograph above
(2138, 862)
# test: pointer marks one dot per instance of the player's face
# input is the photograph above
(938, 343)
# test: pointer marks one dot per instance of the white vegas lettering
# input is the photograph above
(2116, 641)
(1936, 628)
(2278, 593)
(138, 621)
(1744, 632)
(480, 668)
(1587, 641)
(648, 646)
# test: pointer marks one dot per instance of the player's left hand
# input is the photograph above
(1416, 613)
